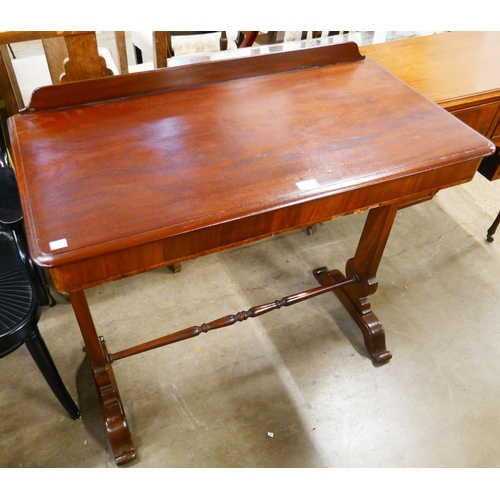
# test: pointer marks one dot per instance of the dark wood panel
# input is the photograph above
(495, 136)
(480, 118)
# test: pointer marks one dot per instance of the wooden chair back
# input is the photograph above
(319, 34)
(162, 43)
(70, 55)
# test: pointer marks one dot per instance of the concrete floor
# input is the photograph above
(302, 372)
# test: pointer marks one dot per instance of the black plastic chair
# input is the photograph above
(23, 288)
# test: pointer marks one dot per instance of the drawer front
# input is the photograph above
(495, 137)
(480, 118)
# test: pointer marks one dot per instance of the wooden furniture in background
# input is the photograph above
(318, 34)
(162, 43)
(170, 34)
(266, 37)
(254, 181)
(460, 71)
(70, 56)
(145, 41)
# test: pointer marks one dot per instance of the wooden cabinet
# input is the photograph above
(485, 119)
(495, 136)
(480, 118)
(458, 70)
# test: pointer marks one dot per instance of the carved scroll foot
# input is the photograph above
(369, 324)
(114, 416)
(110, 402)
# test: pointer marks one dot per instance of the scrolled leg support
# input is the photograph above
(363, 266)
(369, 324)
(115, 420)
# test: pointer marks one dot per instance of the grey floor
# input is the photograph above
(300, 373)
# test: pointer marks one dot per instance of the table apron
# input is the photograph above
(406, 191)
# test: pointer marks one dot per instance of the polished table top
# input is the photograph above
(115, 174)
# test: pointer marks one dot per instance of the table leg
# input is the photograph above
(364, 267)
(114, 416)
(493, 228)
